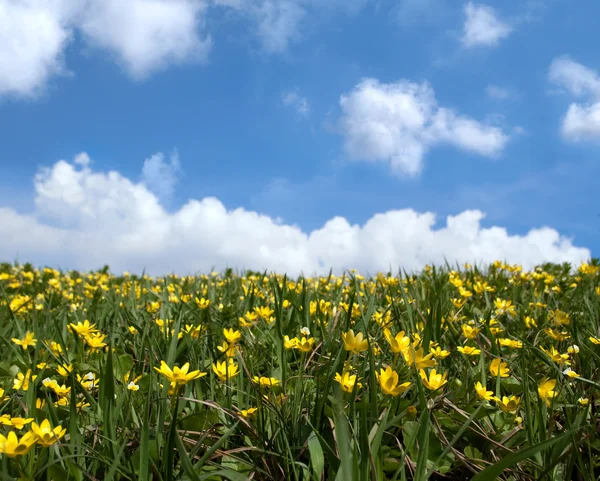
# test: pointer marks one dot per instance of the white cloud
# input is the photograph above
(86, 219)
(147, 35)
(279, 22)
(143, 35)
(398, 122)
(298, 102)
(498, 93)
(582, 120)
(575, 77)
(160, 175)
(33, 36)
(482, 26)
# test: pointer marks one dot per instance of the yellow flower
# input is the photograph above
(193, 331)
(22, 380)
(55, 347)
(595, 340)
(508, 404)
(569, 372)
(61, 391)
(560, 318)
(504, 307)
(435, 380)
(45, 435)
(305, 345)
(290, 343)
(499, 368)
(458, 303)
(398, 343)
(388, 380)
(583, 401)
(247, 413)
(17, 423)
(414, 357)
(88, 381)
(132, 386)
(557, 336)
(225, 370)
(347, 381)
(64, 370)
(95, 341)
(470, 332)
(232, 335)
(439, 352)
(202, 303)
(481, 287)
(556, 356)
(132, 330)
(464, 292)
(469, 351)
(12, 446)
(266, 381)
(354, 343)
(248, 320)
(510, 343)
(483, 393)
(530, 322)
(546, 389)
(228, 349)
(28, 340)
(266, 313)
(178, 375)
(83, 329)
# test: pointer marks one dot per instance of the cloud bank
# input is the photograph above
(85, 219)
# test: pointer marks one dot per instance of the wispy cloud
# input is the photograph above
(296, 101)
(483, 27)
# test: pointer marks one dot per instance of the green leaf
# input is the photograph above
(317, 460)
(423, 440)
(495, 470)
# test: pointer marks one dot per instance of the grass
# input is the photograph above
(300, 397)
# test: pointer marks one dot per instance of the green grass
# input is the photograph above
(124, 421)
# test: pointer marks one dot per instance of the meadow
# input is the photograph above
(456, 372)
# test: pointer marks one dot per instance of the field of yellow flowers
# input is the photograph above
(466, 373)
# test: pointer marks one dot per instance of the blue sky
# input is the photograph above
(249, 98)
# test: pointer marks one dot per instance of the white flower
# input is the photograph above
(574, 349)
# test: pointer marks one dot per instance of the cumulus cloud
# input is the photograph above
(85, 219)
(147, 35)
(33, 37)
(143, 36)
(296, 101)
(582, 120)
(482, 26)
(398, 122)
